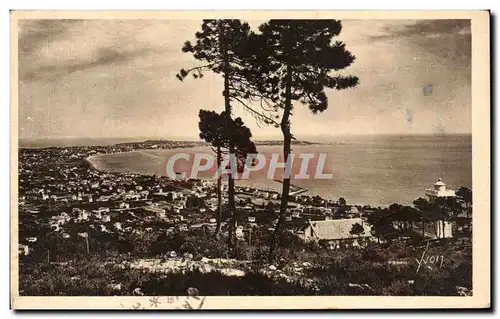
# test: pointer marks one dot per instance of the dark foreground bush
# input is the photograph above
(218, 284)
(352, 275)
(98, 280)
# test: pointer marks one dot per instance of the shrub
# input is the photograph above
(374, 254)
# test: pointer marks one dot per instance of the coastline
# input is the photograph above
(276, 186)
(294, 189)
(54, 142)
(89, 162)
(352, 180)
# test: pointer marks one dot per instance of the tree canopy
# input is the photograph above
(218, 130)
(357, 230)
(294, 60)
(219, 45)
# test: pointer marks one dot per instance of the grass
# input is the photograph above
(368, 271)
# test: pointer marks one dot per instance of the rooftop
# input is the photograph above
(338, 228)
(439, 183)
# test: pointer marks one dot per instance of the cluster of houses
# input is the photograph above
(256, 193)
(123, 202)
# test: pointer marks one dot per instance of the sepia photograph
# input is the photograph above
(250, 160)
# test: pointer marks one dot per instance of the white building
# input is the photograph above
(83, 215)
(55, 227)
(439, 190)
(159, 212)
(354, 211)
(443, 227)
(101, 210)
(24, 250)
(123, 205)
(239, 232)
(176, 195)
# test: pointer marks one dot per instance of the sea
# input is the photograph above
(375, 170)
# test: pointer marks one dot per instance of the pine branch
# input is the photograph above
(199, 69)
(256, 113)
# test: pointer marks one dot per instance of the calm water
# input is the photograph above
(374, 170)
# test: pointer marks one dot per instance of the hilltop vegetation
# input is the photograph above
(301, 269)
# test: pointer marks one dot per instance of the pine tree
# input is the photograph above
(213, 130)
(293, 60)
(220, 46)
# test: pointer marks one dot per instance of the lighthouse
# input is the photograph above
(439, 190)
(443, 227)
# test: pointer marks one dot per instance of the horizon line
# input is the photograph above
(185, 138)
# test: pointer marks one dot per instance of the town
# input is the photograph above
(68, 209)
(68, 190)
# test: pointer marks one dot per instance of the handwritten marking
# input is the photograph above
(193, 302)
(155, 301)
(422, 258)
(170, 299)
(434, 259)
(188, 305)
(137, 306)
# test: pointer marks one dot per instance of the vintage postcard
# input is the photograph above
(250, 160)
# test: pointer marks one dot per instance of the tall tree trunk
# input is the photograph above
(219, 195)
(287, 146)
(423, 228)
(230, 192)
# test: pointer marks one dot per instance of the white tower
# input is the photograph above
(443, 227)
(439, 190)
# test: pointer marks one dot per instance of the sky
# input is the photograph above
(116, 79)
